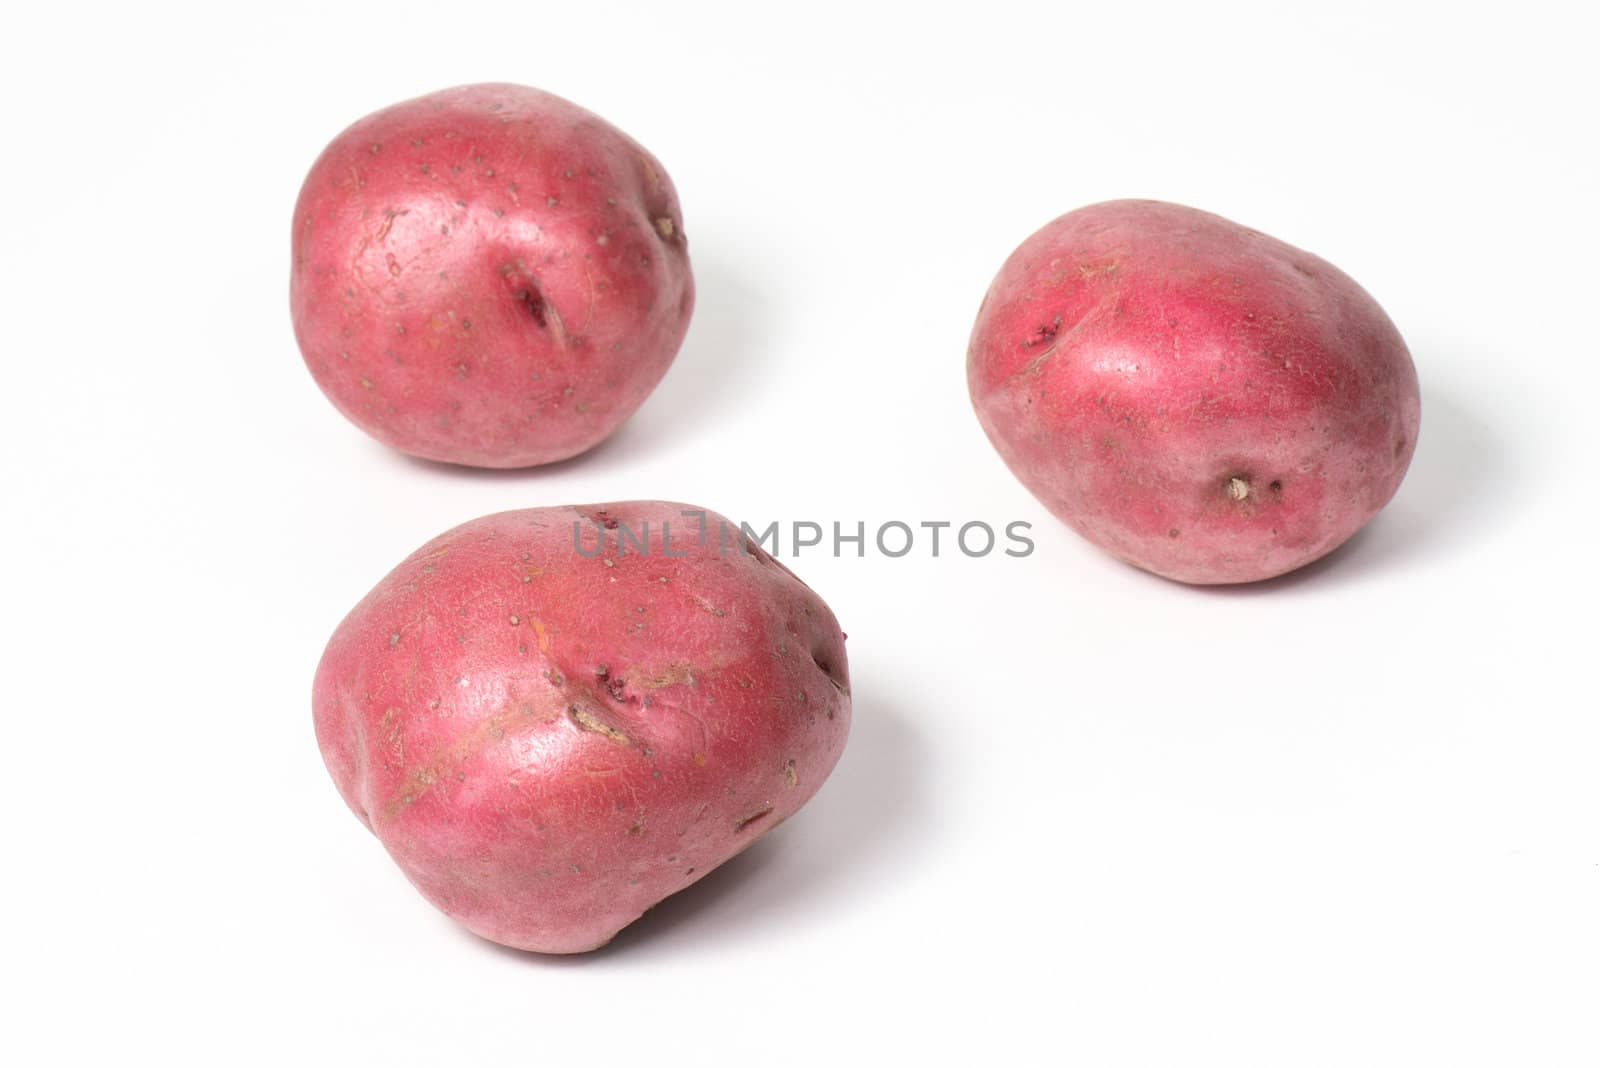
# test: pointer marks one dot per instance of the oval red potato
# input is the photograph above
(554, 718)
(488, 275)
(1196, 398)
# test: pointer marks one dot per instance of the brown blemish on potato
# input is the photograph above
(679, 672)
(394, 734)
(791, 776)
(1045, 332)
(664, 228)
(541, 631)
(1055, 338)
(739, 825)
(1238, 487)
(615, 686)
(446, 763)
(389, 216)
(588, 721)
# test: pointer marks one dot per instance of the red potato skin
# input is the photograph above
(1194, 397)
(548, 744)
(488, 275)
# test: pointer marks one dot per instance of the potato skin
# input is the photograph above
(488, 275)
(1198, 399)
(548, 743)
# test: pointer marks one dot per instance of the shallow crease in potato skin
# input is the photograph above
(549, 743)
(488, 275)
(1197, 398)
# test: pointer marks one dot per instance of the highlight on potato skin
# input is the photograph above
(549, 743)
(1197, 398)
(488, 275)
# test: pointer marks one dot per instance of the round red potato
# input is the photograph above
(1192, 396)
(488, 275)
(554, 718)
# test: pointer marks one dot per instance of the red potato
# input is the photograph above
(488, 275)
(1192, 396)
(550, 741)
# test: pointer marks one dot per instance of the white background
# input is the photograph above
(1347, 818)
